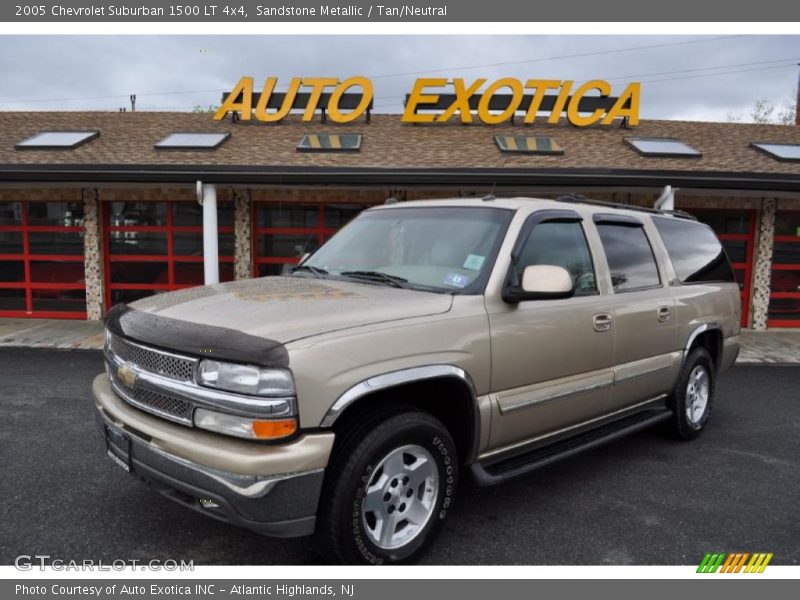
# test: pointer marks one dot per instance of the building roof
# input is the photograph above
(391, 152)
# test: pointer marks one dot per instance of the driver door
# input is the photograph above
(552, 360)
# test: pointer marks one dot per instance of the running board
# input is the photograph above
(498, 469)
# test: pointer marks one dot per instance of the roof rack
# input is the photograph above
(580, 199)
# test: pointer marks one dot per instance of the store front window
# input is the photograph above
(784, 299)
(736, 230)
(155, 247)
(41, 260)
(284, 232)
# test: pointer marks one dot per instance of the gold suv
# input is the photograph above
(424, 343)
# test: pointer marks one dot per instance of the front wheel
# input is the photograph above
(389, 489)
(693, 397)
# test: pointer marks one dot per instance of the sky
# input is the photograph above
(704, 78)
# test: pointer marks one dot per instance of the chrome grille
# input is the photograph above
(166, 406)
(155, 361)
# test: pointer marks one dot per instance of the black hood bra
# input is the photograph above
(195, 339)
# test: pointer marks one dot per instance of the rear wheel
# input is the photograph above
(389, 489)
(693, 397)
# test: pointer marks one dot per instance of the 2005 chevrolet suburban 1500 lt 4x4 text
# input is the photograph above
(424, 341)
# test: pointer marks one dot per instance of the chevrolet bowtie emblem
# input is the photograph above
(126, 375)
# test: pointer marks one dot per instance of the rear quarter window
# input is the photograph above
(696, 253)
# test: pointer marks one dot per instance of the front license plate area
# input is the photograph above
(118, 449)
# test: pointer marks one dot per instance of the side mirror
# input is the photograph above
(540, 282)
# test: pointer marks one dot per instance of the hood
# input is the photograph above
(285, 309)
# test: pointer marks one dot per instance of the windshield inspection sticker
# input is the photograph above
(456, 280)
(474, 262)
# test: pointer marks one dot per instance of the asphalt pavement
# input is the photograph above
(647, 499)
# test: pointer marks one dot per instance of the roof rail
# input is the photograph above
(580, 199)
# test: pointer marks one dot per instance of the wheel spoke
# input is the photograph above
(394, 465)
(420, 471)
(416, 514)
(373, 499)
(388, 525)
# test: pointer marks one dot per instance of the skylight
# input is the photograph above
(192, 141)
(330, 142)
(57, 140)
(786, 152)
(528, 144)
(665, 147)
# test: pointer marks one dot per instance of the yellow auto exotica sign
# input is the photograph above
(425, 94)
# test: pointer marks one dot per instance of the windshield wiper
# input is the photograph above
(316, 271)
(377, 277)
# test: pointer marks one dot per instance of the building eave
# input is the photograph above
(365, 176)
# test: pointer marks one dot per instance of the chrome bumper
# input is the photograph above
(261, 494)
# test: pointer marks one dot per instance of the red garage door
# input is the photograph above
(784, 299)
(41, 260)
(154, 247)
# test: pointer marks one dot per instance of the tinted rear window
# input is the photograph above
(630, 257)
(696, 253)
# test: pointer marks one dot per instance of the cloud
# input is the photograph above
(704, 80)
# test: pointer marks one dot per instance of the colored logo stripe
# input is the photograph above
(758, 563)
(733, 563)
(711, 563)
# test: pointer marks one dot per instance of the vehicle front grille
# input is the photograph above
(161, 404)
(158, 362)
(154, 361)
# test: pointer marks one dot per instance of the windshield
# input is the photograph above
(444, 249)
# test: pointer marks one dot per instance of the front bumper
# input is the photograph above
(271, 489)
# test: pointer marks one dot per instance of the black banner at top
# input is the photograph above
(393, 11)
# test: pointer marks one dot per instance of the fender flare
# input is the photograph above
(710, 326)
(392, 379)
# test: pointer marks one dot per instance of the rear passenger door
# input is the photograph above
(642, 311)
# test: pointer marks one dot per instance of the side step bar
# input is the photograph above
(499, 469)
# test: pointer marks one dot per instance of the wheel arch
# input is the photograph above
(708, 336)
(455, 401)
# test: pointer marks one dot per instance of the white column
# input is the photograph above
(210, 234)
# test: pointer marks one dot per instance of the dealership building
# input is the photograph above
(98, 208)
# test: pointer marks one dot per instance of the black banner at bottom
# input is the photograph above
(393, 589)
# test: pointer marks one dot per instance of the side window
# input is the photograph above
(561, 244)
(694, 250)
(630, 257)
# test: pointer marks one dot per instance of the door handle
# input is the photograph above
(602, 322)
(664, 313)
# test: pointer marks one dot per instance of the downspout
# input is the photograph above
(666, 201)
(207, 197)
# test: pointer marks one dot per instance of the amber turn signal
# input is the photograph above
(271, 430)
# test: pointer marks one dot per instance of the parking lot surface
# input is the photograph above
(646, 499)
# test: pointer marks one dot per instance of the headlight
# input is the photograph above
(244, 427)
(245, 379)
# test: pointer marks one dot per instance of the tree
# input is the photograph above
(766, 111)
(787, 114)
(211, 108)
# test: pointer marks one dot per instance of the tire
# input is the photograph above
(377, 506)
(693, 397)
